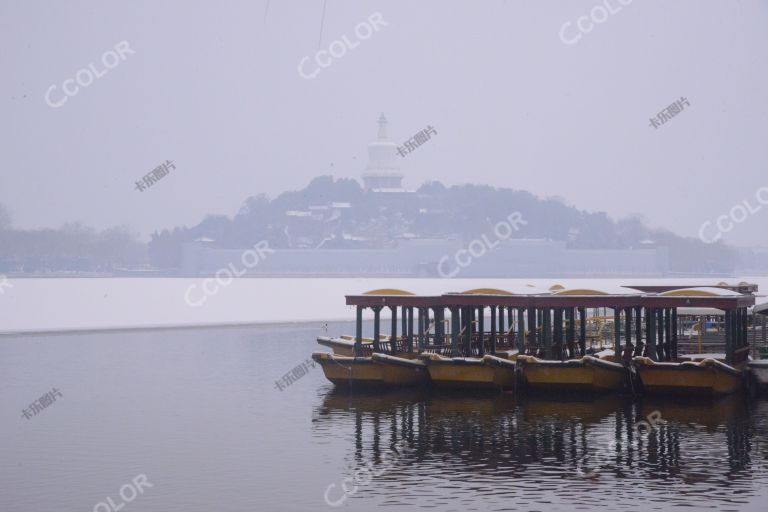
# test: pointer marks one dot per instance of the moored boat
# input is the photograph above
(345, 345)
(377, 370)
(486, 373)
(665, 371)
(476, 352)
(705, 377)
(555, 339)
(381, 361)
(587, 373)
(557, 357)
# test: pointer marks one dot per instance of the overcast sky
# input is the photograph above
(215, 88)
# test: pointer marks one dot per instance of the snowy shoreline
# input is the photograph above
(54, 305)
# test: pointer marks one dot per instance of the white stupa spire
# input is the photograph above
(383, 169)
(382, 127)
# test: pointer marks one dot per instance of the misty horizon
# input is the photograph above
(521, 98)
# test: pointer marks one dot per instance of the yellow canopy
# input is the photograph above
(487, 291)
(388, 291)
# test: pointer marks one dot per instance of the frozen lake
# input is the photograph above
(53, 304)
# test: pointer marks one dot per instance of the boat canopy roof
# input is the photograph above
(392, 297)
(487, 291)
(706, 298)
(605, 290)
(761, 309)
(701, 291)
(699, 300)
(388, 291)
(479, 297)
(742, 287)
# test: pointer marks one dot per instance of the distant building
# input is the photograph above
(382, 174)
(436, 257)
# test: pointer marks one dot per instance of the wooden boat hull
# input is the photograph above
(379, 370)
(707, 377)
(585, 374)
(488, 373)
(342, 346)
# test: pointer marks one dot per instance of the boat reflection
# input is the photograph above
(598, 438)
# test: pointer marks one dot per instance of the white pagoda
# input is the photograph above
(382, 174)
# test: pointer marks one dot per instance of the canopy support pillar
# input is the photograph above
(729, 334)
(520, 330)
(393, 332)
(376, 328)
(533, 342)
(409, 322)
(493, 329)
(455, 327)
(674, 329)
(557, 351)
(546, 322)
(481, 329)
(650, 325)
(359, 332)
(617, 333)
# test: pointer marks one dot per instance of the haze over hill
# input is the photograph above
(340, 214)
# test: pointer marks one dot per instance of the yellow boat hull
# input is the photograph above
(585, 374)
(377, 370)
(470, 373)
(344, 345)
(707, 377)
